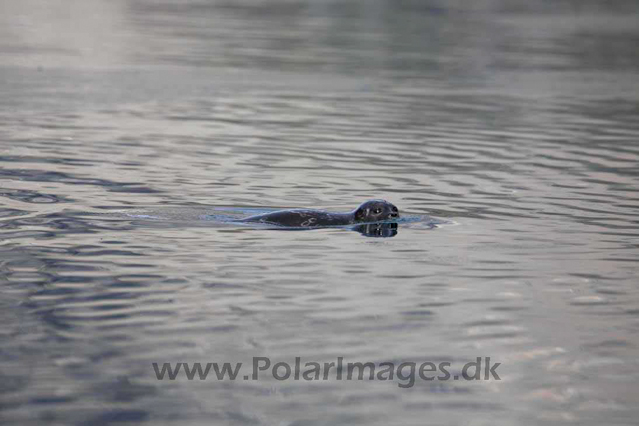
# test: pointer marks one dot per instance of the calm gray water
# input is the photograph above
(517, 125)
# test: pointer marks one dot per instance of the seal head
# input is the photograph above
(375, 211)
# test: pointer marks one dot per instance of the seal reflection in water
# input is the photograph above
(369, 212)
(380, 230)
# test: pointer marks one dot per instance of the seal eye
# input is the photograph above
(377, 211)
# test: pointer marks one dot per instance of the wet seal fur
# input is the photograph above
(369, 212)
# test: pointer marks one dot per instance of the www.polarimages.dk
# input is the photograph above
(406, 373)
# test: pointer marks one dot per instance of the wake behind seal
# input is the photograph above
(368, 212)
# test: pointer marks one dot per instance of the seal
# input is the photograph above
(368, 212)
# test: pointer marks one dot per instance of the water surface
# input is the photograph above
(516, 124)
